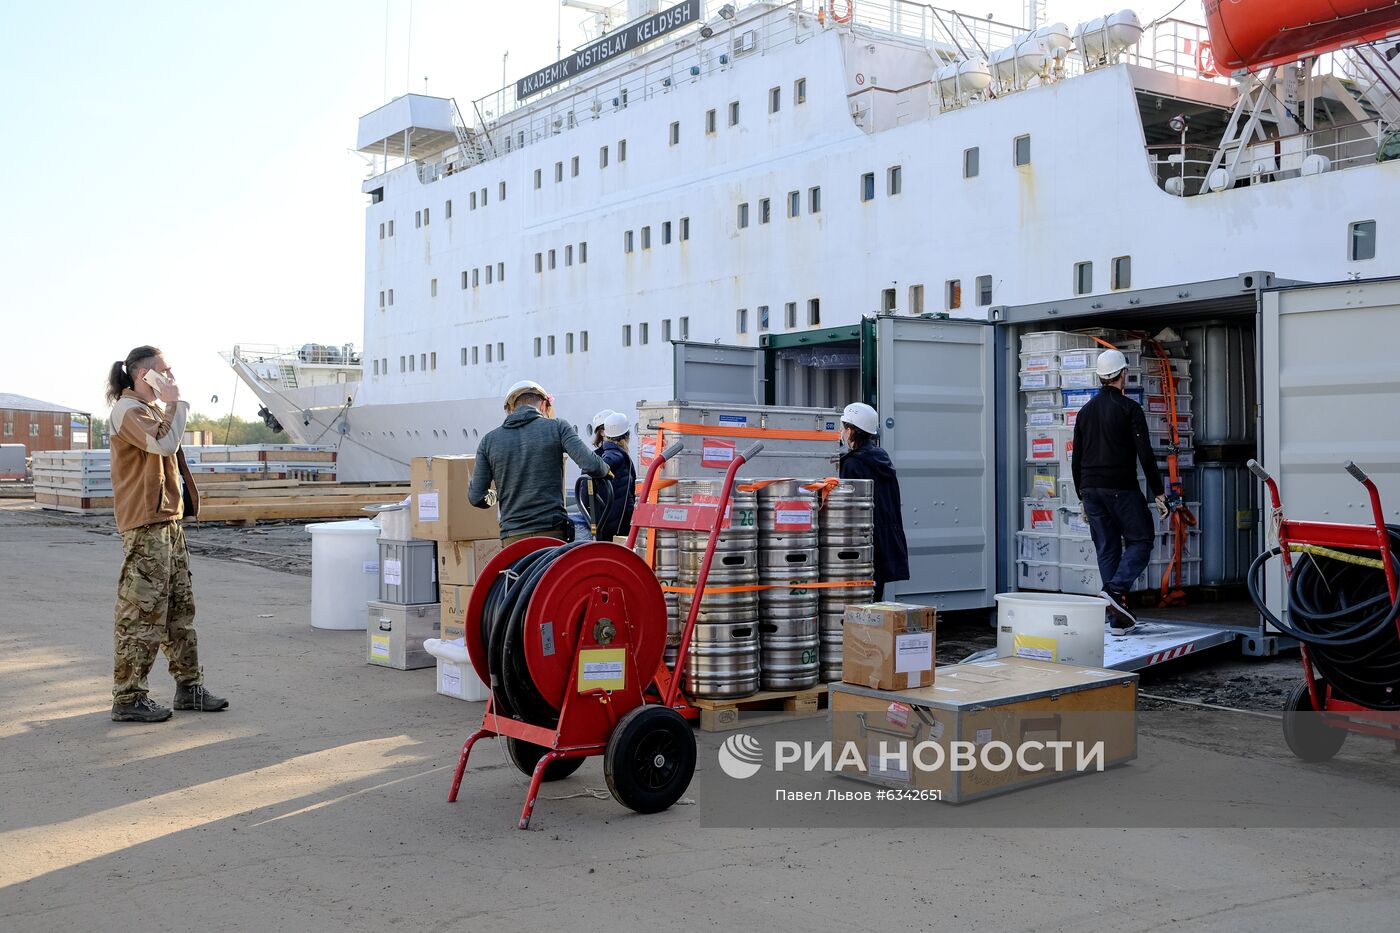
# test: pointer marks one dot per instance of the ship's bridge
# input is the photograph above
(415, 126)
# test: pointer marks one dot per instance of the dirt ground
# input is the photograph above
(317, 801)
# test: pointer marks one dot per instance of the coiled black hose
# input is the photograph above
(597, 505)
(1343, 613)
(502, 621)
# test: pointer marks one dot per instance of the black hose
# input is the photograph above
(595, 506)
(1344, 614)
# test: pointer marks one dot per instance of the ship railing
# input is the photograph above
(1185, 170)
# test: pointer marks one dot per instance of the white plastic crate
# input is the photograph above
(1053, 340)
(1041, 380)
(1041, 480)
(1161, 526)
(1071, 415)
(1083, 580)
(1066, 490)
(1161, 440)
(1155, 365)
(1085, 359)
(1039, 362)
(1071, 523)
(1164, 546)
(1158, 404)
(1079, 379)
(1078, 551)
(1040, 515)
(1157, 385)
(1043, 398)
(1184, 460)
(1151, 578)
(1044, 418)
(1034, 576)
(1040, 548)
(1161, 424)
(1049, 445)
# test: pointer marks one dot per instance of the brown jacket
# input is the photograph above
(148, 464)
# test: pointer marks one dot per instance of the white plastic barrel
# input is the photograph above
(344, 572)
(1051, 627)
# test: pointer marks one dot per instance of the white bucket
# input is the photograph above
(1051, 627)
(344, 572)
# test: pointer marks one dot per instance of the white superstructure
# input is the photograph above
(792, 172)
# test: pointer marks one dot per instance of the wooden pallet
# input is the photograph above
(723, 715)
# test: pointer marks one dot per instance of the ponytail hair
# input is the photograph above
(119, 378)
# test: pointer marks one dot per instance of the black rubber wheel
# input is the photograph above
(650, 758)
(1307, 735)
(525, 755)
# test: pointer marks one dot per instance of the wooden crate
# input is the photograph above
(723, 715)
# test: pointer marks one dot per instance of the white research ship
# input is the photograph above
(766, 173)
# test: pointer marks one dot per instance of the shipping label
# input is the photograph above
(913, 652)
(792, 515)
(427, 506)
(716, 452)
(393, 572)
(1042, 448)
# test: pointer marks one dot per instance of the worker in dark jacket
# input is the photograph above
(865, 459)
(1110, 442)
(524, 457)
(616, 518)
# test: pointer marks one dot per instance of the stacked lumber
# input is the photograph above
(266, 500)
(244, 462)
(76, 481)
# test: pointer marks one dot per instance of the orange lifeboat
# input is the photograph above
(1253, 34)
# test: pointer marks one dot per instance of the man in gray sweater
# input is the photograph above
(525, 459)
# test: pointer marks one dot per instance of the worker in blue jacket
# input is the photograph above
(612, 507)
(865, 459)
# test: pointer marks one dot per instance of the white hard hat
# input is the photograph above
(861, 415)
(616, 425)
(522, 387)
(1111, 363)
(597, 420)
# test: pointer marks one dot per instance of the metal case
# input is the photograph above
(395, 634)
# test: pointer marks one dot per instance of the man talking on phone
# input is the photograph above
(152, 491)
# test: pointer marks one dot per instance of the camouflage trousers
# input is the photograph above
(155, 610)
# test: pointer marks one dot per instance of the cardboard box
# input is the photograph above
(440, 511)
(454, 601)
(1017, 701)
(459, 562)
(888, 646)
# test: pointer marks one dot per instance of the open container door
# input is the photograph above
(1330, 392)
(706, 372)
(934, 390)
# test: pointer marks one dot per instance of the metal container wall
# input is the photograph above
(1222, 379)
(1228, 521)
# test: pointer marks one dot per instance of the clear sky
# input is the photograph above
(183, 174)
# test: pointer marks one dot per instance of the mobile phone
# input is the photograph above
(155, 380)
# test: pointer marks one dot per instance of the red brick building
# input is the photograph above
(42, 425)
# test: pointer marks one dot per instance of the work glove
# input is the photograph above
(1161, 503)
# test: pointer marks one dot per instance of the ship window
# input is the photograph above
(814, 200)
(501, 352)
(622, 150)
(537, 346)
(403, 365)
(814, 312)
(432, 360)
(775, 99)
(391, 297)
(412, 361)
(376, 372)
(488, 353)
(501, 190)
(483, 197)
(432, 288)
(1023, 150)
(488, 275)
(538, 179)
(539, 262)
(551, 344)
(464, 356)
(709, 121)
(1083, 278)
(675, 133)
(799, 91)
(558, 171)
(573, 167)
(447, 209)
(916, 299)
(741, 320)
(417, 218)
(685, 228)
(381, 299)
(1121, 272)
(762, 317)
(583, 341)
(1363, 240)
(790, 315)
(627, 335)
(743, 215)
(376, 195)
(733, 113)
(646, 237)
(627, 242)
(603, 157)
(500, 272)
(665, 232)
(551, 260)
(666, 330)
(867, 186)
(794, 203)
(765, 211)
(423, 362)
(684, 326)
(568, 254)
(476, 355)
(464, 278)
(425, 216)
(971, 160)
(984, 290)
(895, 181)
(952, 294)
(471, 201)
(569, 343)
(887, 301)
(583, 252)
(381, 231)
(391, 228)
(476, 277)
(642, 332)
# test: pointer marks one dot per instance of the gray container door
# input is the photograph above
(706, 372)
(1330, 392)
(935, 394)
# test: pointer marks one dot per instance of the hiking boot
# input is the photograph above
(1120, 620)
(195, 697)
(141, 709)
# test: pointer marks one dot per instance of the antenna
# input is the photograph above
(504, 58)
(1034, 14)
(602, 14)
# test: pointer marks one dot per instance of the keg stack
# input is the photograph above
(788, 554)
(847, 552)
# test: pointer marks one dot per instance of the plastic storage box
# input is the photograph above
(1035, 576)
(1039, 515)
(408, 572)
(1038, 547)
